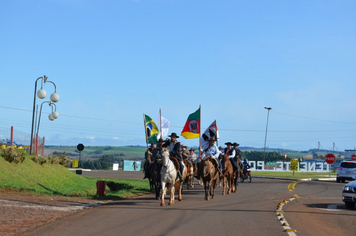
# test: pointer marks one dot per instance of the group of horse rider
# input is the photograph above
(181, 152)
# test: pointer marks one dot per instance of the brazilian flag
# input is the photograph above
(151, 130)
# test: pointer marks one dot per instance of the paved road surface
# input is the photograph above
(251, 211)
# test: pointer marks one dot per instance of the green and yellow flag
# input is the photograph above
(151, 130)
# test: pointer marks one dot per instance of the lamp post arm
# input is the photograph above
(39, 118)
(55, 87)
(33, 112)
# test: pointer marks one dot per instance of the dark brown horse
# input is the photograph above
(228, 174)
(155, 178)
(209, 175)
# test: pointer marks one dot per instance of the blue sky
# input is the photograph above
(113, 60)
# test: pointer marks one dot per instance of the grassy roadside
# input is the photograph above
(50, 179)
(297, 174)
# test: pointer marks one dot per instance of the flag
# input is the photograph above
(192, 126)
(210, 132)
(151, 130)
(164, 127)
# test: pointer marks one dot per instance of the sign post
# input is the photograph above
(80, 148)
(294, 165)
(330, 159)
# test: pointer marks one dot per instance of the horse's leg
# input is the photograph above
(163, 192)
(206, 190)
(171, 196)
(224, 185)
(180, 186)
(157, 186)
(230, 184)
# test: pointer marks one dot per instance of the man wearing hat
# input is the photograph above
(174, 150)
(232, 153)
(213, 151)
(146, 165)
(237, 151)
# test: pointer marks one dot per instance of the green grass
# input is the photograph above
(58, 180)
(297, 174)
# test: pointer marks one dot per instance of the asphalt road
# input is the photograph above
(250, 211)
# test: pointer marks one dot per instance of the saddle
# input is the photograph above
(214, 161)
(175, 162)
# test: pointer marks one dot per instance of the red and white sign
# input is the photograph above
(353, 157)
(330, 158)
(285, 156)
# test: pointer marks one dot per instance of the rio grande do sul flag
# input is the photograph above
(192, 126)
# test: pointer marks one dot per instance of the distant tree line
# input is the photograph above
(259, 156)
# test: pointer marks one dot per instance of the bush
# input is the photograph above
(13, 154)
(60, 159)
(39, 160)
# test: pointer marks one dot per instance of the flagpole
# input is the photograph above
(144, 125)
(160, 122)
(217, 140)
(200, 130)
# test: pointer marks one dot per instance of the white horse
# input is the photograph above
(168, 176)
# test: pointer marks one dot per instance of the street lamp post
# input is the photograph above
(264, 150)
(42, 94)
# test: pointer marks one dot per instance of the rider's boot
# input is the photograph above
(180, 175)
(220, 171)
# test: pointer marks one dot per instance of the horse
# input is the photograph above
(155, 180)
(228, 174)
(209, 176)
(179, 183)
(168, 176)
(190, 174)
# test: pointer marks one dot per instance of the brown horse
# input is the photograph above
(190, 174)
(228, 175)
(209, 176)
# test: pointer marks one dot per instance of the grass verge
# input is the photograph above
(57, 180)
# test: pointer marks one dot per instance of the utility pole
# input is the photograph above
(264, 150)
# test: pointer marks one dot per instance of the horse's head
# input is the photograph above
(165, 156)
(207, 167)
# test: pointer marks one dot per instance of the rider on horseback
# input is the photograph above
(148, 155)
(213, 151)
(231, 152)
(174, 150)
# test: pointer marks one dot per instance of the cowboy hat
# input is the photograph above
(235, 144)
(174, 135)
(191, 149)
(160, 140)
(228, 143)
(183, 146)
(212, 139)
